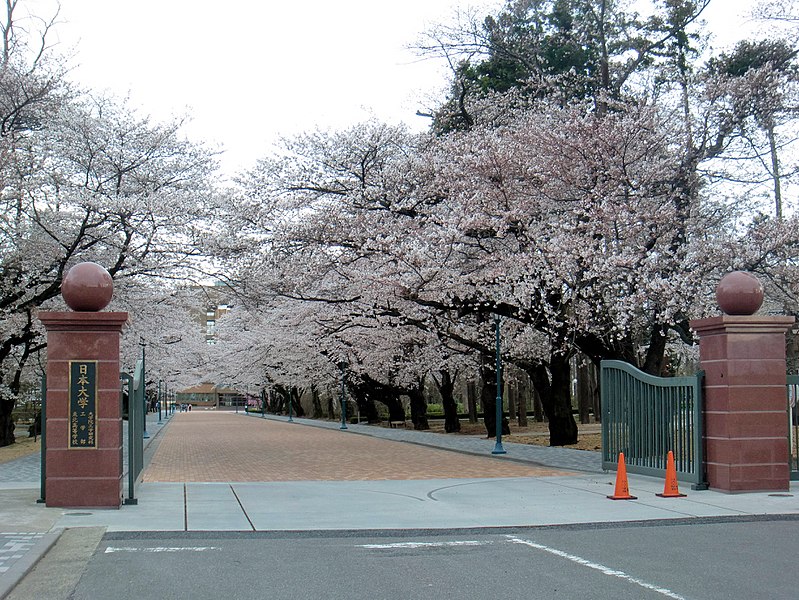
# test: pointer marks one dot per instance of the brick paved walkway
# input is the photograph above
(218, 446)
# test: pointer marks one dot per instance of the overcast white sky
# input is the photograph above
(247, 71)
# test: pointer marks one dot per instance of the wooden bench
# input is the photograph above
(395, 424)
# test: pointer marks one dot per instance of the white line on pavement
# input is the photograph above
(400, 545)
(112, 549)
(597, 567)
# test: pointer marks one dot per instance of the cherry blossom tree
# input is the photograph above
(581, 229)
(84, 178)
(590, 223)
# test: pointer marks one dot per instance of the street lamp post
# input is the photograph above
(498, 449)
(290, 407)
(343, 367)
(166, 399)
(143, 384)
(159, 401)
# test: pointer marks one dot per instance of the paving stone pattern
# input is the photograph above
(228, 447)
(27, 469)
(555, 457)
(13, 546)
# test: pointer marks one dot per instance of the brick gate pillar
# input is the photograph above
(745, 410)
(83, 415)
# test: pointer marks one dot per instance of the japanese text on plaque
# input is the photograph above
(82, 404)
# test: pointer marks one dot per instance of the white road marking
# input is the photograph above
(112, 549)
(597, 567)
(401, 545)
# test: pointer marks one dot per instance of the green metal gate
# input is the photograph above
(136, 428)
(43, 449)
(793, 426)
(645, 417)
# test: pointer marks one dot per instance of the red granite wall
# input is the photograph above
(746, 444)
(83, 477)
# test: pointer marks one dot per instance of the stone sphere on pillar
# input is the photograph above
(739, 293)
(87, 287)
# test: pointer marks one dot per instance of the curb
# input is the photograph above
(23, 566)
(19, 569)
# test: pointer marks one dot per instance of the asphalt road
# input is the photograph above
(706, 559)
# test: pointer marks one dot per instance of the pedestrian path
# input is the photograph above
(556, 458)
(27, 470)
(217, 471)
(312, 475)
(225, 447)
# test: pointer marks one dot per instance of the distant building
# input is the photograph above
(217, 305)
(209, 394)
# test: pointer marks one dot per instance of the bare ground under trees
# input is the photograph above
(590, 436)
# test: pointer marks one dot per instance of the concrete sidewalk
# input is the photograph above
(571, 489)
(27, 529)
(554, 485)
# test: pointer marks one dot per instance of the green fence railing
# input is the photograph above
(136, 427)
(43, 452)
(645, 416)
(793, 426)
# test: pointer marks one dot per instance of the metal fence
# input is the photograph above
(137, 427)
(645, 416)
(793, 426)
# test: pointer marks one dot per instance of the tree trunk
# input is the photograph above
(7, 423)
(585, 398)
(367, 409)
(775, 170)
(290, 397)
(316, 401)
(11, 374)
(35, 429)
(275, 402)
(386, 394)
(510, 394)
(419, 407)
(331, 406)
(655, 354)
(488, 398)
(295, 394)
(597, 400)
(360, 393)
(593, 379)
(471, 400)
(446, 387)
(556, 400)
(391, 398)
(523, 388)
(538, 409)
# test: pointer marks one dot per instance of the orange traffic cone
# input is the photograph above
(671, 490)
(622, 491)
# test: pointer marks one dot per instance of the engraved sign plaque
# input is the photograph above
(83, 404)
